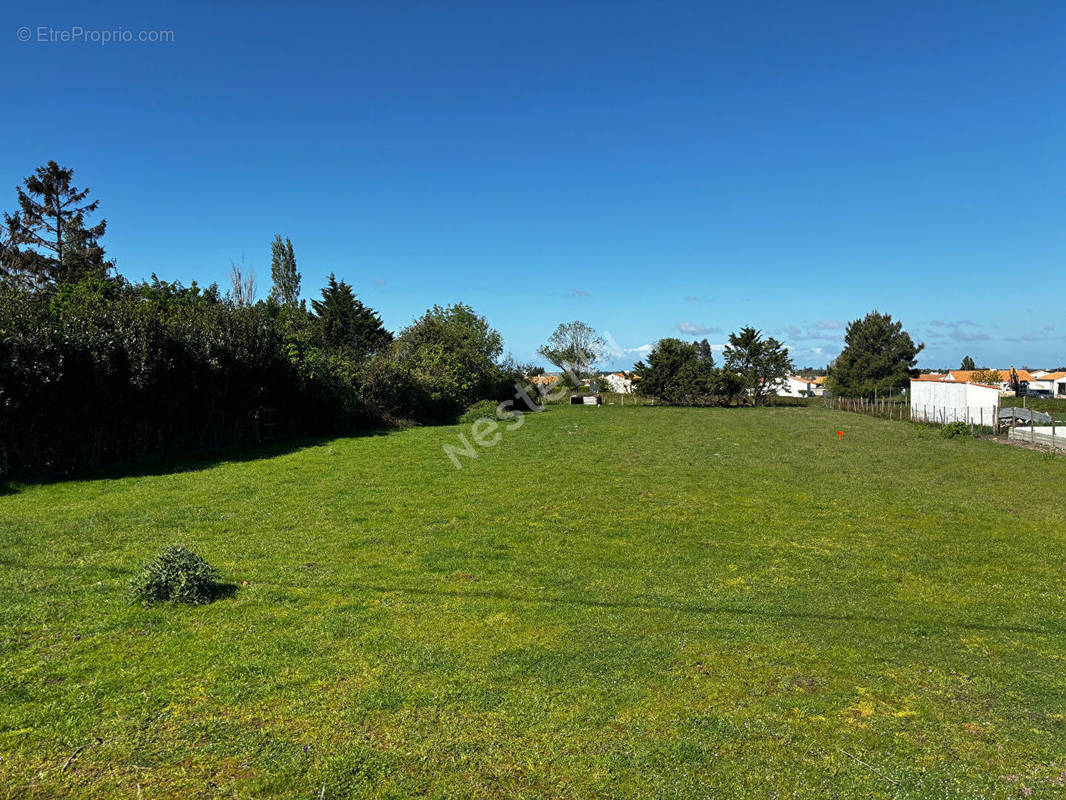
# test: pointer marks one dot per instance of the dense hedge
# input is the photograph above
(101, 373)
(86, 379)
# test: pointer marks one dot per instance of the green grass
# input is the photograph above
(613, 602)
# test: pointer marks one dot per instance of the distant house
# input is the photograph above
(799, 386)
(1051, 382)
(545, 381)
(1058, 380)
(619, 382)
(967, 375)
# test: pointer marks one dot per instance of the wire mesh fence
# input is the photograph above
(1017, 423)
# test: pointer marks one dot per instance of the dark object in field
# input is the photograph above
(1026, 416)
(176, 575)
(586, 400)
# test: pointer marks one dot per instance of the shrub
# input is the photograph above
(482, 408)
(953, 429)
(452, 355)
(176, 575)
(92, 376)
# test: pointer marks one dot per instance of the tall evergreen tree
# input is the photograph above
(706, 356)
(878, 358)
(968, 364)
(346, 323)
(48, 241)
(761, 364)
(10, 260)
(286, 289)
(680, 373)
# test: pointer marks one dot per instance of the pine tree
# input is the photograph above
(346, 323)
(967, 364)
(761, 364)
(878, 358)
(706, 356)
(283, 272)
(47, 241)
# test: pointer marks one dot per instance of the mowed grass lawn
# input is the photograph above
(615, 602)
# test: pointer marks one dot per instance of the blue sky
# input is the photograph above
(654, 169)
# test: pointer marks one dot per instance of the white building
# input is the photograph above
(1053, 382)
(1058, 383)
(954, 401)
(798, 386)
(618, 382)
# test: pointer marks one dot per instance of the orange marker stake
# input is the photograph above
(840, 436)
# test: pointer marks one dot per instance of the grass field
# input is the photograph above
(638, 602)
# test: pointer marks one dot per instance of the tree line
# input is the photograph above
(96, 369)
(678, 372)
(878, 358)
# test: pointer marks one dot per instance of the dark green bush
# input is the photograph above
(103, 372)
(176, 575)
(953, 429)
(482, 408)
(87, 378)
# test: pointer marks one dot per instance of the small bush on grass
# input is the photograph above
(176, 575)
(482, 408)
(953, 429)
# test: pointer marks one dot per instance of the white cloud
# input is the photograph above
(693, 329)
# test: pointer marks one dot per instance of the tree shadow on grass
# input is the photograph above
(921, 625)
(193, 462)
